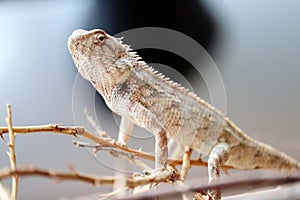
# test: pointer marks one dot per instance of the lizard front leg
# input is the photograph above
(161, 150)
(125, 130)
(216, 158)
(146, 119)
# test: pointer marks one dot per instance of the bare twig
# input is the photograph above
(56, 128)
(131, 157)
(74, 175)
(74, 130)
(62, 176)
(94, 124)
(12, 153)
(186, 165)
(236, 182)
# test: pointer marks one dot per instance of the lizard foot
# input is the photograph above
(154, 171)
(169, 173)
(164, 174)
(199, 196)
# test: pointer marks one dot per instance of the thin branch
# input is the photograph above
(12, 153)
(74, 175)
(56, 128)
(237, 183)
(75, 130)
(94, 124)
(131, 157)
(186, 164)
(62, 176)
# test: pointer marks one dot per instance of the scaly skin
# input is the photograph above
(146, 98)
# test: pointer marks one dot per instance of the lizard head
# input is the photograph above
(96, 53)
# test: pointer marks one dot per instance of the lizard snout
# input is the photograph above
(77, 33)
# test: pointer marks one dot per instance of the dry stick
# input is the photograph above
(102, 141)
(132, 158)
(252, 182)
(105, 142)
(186, 164)
(79, 176)
(12, 153)
(73, 175)
(94, 124)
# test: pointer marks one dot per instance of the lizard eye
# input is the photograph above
(99, 38)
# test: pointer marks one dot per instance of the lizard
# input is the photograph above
(144, 97)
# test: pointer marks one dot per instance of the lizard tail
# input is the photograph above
(257, 155)
(275, 159)
(248, 153)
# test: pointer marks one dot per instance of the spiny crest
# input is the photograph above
(176, 86)
(134, 55)
(120, 39)
(161, 77)
(127, 47)
(155, 73)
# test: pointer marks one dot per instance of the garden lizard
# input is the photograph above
(144, 97)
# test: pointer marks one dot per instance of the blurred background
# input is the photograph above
(255, 45)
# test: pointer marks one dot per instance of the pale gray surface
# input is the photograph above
(258, 55)
(287, 192)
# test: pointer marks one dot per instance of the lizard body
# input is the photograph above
(144, 97)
